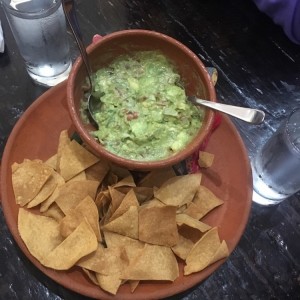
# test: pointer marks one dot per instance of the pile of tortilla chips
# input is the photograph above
(78, 210)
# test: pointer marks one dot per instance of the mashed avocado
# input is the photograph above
(144, 113)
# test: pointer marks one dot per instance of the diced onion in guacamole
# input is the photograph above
(144, 113)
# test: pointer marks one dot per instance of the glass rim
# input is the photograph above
(30, 14)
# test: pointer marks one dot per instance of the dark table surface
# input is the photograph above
(258, 66)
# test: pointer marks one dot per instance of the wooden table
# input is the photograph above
(258, 67)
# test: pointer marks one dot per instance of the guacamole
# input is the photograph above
(144, 113)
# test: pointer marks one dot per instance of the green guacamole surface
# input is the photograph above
(144, 114)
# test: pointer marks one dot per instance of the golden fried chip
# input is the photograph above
(205, 200)
(45, 192)
(152, 263)
(115, 240)
(48, 202)
(87, 210)
(157, 225)
(183, 247)
(157, 177)
(127, 224)
(51, 162)
(205, 159)
(109, 283)
(74, 159)
(116, 198)
(191, 222)
(152, 203)
(79, 177)
(54, 212)
(97, 171)
(71, 193)
(81, 242)
(127, 181)
(62, 142)
(205, 252)
(28, 179)
(40, 234)
(133, 285)
(178, 190)
(106, 261)
(91, 275)
(127, 201)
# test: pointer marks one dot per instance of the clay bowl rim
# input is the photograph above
(99, 149)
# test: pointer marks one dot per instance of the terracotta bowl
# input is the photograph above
(193, 73)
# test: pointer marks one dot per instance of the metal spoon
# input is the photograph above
(250, 115)
(93, 104)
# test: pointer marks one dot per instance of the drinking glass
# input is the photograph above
(39, 28)
(276, 167)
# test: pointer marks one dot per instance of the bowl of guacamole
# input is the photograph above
(141, 79)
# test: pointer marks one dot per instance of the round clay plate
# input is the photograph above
(36, 136)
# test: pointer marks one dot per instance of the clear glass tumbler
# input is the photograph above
(39, 28)
(276, 167)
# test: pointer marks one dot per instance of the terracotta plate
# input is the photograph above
(36, 136)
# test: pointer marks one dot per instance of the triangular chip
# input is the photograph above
(127, 224)
(191, 222)
(87, 210)
(71, 193)
(153, 263)
(97, 171)
(205, 159)
(62, 142)
(48, 202)
(157, 225)
(109, 283)
(45, 192)
(157, 177)
(81, 242)
(74, 159)
(127, 201)
(178, 190)
(183, 247)
(28, 179)
(205, 200)
(54, 212)
(40, 234)
(204, 252)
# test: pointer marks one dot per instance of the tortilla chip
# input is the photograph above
(127, 181)
(79, 177)
(127, 201)
(116, 240)
(87, 210)
(28, 178)
(71, 193)
(205, 159)
(206, 201)
(105, 261)
(127, 224)
(152, 203)
(206, 251)
(178, 190)
(40, 234)
(191, 222)
(54, 212)
(51, 162)
(45, 191)
(157, 225)
(62, 142)
(152, 263)
(97, 171)
(81, 242)
(109, 283)
(74, 159)
(91, 275)
(183, 247)
(116, 198)
(48, 202)
(157, 177)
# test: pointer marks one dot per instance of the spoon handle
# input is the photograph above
(250, 115)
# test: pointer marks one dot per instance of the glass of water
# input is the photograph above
(39, 28)
(276, 167)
